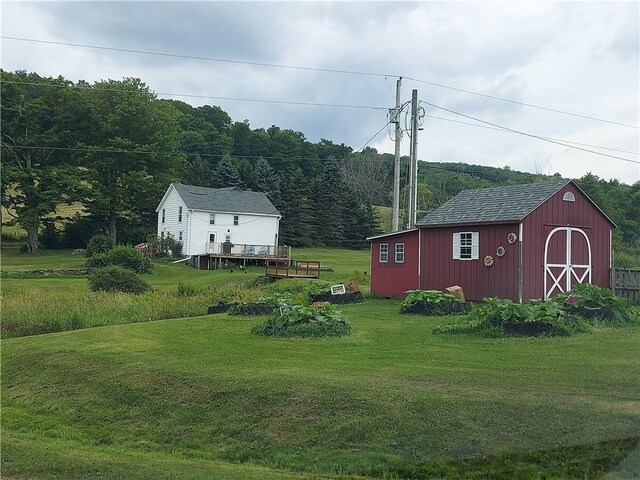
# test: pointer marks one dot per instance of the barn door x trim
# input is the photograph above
(569, 271)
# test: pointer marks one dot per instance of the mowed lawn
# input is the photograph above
(187, 398)
(202, 397)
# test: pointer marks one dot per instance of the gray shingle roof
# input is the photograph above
(231, 199)
(499, 204)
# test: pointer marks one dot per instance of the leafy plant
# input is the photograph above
(304, 321)
(262, 305)
(592, 301)
(498, 317)
(123, 256)
(428, 301)
(117, 279)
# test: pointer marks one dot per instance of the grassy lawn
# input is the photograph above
(202, 397)
(393, 399)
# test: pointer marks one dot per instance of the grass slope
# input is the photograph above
(203, 394)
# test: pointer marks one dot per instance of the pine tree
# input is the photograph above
(225, 174)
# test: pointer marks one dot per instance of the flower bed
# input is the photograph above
(431, 302)
(304, 321)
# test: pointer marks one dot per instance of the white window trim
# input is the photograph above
(398, 252)
(212, 216)
(164, 215)
(386, 260)
(474, 246)
(180, 235)
(179, 214)
(236, 220)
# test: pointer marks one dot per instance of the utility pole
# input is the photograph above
(413, 161)
(395, 213)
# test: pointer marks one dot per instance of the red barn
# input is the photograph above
(518, 242)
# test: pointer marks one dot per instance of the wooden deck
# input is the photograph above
(278, 268)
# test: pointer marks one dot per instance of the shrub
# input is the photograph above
(123, 256)
(99, 244)
(304, 321)
(116, 279)
(186, 290)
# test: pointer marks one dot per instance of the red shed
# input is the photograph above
(519, 242)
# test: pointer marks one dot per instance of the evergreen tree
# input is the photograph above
(225, 174)
(329, 205)
(266, 180)
(297, 212)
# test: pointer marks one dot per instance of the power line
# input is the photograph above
(564, 112)
(325, 70)
(545, 139)
(371, 139)
(237, 99)
(548, 138)
(289, 102)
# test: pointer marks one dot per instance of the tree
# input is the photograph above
(266, 180)
(39, 124)
(369, 176)
(329, 204)
(132, 152)
(226, 174)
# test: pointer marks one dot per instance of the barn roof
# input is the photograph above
(230, 199)
(493, 205)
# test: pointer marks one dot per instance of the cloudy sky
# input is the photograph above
(581, 58)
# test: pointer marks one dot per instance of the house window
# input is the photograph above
(179, 214)
(212, 219)
(227, 238)
(163, 215)
(399, 252)
(180, 235)
(235, 219)
(162, 235)
(384, 253)
(465, 246)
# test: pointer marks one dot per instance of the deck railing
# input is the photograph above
(294, 268)
(246, 250)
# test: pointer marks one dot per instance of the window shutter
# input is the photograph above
(456, 246)
(474, 246)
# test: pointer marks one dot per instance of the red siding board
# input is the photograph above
(440, 270)
(392, 279)
(556, 212)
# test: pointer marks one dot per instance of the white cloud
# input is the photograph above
(578, 57)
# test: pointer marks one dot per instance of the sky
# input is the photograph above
(580, 57)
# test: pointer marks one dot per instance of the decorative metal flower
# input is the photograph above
(488, 261)
(500, 251)
(512, 237)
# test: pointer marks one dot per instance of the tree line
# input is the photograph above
(111, 149)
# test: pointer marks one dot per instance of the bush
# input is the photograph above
(123, 256)
(99, 244)
(263, 305)
(116, 279)
(303, 321)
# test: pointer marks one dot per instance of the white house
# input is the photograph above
(219, 221)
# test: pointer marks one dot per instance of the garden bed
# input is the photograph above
(355, 297)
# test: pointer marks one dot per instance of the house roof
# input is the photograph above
(493, 205)
(230, 199)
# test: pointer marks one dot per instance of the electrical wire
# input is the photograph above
(315, 69)
(371, 139)
(545, 139)
(548, 138)
(186, 95)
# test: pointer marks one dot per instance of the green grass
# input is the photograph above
(392, 399)
(202, 397)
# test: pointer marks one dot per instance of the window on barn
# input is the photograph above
(212, 219)
(384, 253)
(163, 215)
(179, 214)
(465, 246)
(399, 252)
(235, 219)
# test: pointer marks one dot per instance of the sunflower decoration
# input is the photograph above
(500, 251)
(488, 261)
(512, 237)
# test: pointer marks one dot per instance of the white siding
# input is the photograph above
(251, 229)
(171, 226)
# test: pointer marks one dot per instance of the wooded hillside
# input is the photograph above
(113, 147)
